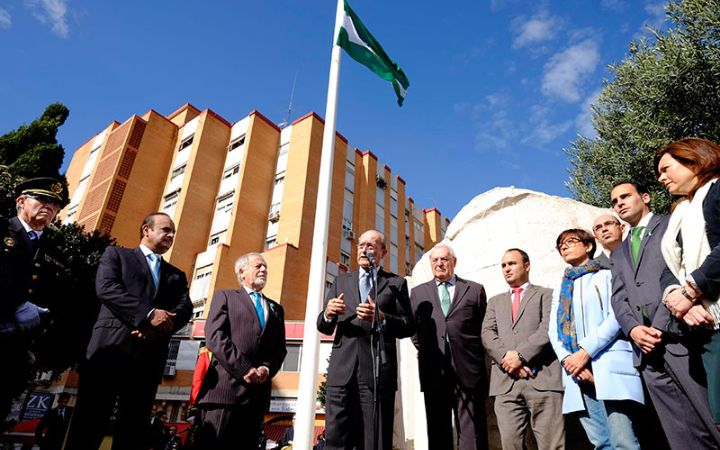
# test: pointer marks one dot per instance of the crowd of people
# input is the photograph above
(628, 340)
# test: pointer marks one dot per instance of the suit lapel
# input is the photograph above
(381, 282)
(145, 269)
(461, 287)
(21, 235)
(524, 300)
(248, 308)
(654, 221)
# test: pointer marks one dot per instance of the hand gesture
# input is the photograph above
(335, 307)
(646, 337)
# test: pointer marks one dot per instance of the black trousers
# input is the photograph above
(230, 427)
(103, 381)
(469, 406)
(349, 417)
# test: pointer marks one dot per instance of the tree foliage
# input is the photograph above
(33, 151)
(667, 88)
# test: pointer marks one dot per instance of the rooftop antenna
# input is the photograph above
(292, 94)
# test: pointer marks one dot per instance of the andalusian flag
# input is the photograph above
(363, 48)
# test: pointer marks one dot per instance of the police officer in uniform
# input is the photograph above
(30, 273)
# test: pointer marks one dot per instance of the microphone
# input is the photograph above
(371, 257)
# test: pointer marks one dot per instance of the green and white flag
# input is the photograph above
(363, 48)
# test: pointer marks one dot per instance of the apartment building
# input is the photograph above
(234, 188)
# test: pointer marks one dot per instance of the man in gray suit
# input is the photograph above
(609, 231)
(246, 333)
(448, 313)
(674, 378)
(525, 378)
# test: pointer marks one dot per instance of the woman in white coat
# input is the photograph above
(599, 378)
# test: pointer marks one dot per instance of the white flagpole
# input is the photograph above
(305, 407)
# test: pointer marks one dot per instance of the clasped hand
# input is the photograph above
(159, 324)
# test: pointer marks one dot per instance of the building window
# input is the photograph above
(345, 258)
(237, 142)
(179, 171)
(173, 349)
(231, 171)
(185, 143)
(292, 359)
(225, 202)
(170, 201)
(270, 241)
(71, 213)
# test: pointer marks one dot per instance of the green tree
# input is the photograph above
(33, 151)
(667, 88)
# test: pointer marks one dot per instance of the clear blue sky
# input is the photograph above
(498, 87)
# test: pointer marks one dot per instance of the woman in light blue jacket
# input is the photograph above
(599, 377)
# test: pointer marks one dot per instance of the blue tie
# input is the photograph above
(258, 308)
(155, 268)
(34, 239)
(364, 285)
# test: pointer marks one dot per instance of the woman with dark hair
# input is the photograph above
(691, 246)
(600, 380)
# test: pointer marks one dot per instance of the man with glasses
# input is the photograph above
(609, 231)
(349, 313)
(30, 271)
(662, 357)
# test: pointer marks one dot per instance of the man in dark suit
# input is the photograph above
(158, 432)
(144, 301)
(245, 332)
(30, 280)
(674, 378)
(50, 432)
(609, 231)
(526, 377)
(448, 312)
(349, 313)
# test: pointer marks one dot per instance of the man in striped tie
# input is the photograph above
(245, 332)
(448, 313)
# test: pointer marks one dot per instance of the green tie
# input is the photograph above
(635, 239)
(444, 298)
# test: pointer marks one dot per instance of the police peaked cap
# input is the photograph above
(46, 188)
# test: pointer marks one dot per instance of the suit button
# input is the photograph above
(638, 284)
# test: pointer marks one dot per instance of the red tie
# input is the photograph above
(516, 301)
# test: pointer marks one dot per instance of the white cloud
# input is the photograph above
(5, 20)
(539, 28)
(656, 11)
(51, 12)
(583, 122)
(544, 131)
(566, 70)
(614, 5)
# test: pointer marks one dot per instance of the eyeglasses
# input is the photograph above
(604, 225)
(366, 245)
(570, 242)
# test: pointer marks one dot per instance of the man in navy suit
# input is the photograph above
(349, 312)
(144, 301)
(674, 377)
(245, 332)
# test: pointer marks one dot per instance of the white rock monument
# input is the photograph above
(491, 223)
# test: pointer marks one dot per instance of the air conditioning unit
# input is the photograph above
(349, 235)
(274, 216)
(169, 371)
